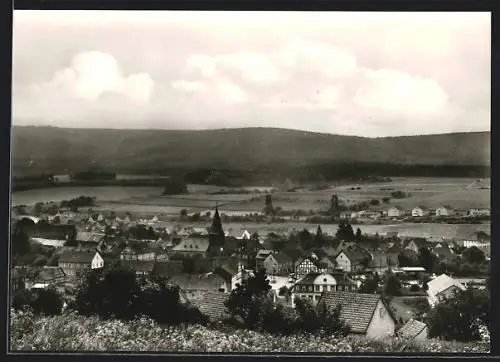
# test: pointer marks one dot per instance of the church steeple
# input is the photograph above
(216, 232)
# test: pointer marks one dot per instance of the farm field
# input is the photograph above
(104, 193)
(459, 193)
(462, 231)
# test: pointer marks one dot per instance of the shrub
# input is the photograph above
(72, 332)
(41, 301)
(460, 318)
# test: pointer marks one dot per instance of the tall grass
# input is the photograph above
(71, 332)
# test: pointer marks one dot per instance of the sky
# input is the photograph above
(358, 73)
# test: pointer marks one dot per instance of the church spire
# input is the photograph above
(216, 232)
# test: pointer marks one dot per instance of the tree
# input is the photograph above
(244, 300)
(20, 242)
(306, 239)
(386, 200)
(320, 319)
(175, 187)
(370, 285)
(268, 208)
(44, 301)
(426, 259)
(334, 204)
(460, 317)
(319, 240)
(473, 255)
(183, 213)
(71, 242)
(345, 232)
(374, 202)
(407, 258)
(392, 286)
(358, 234)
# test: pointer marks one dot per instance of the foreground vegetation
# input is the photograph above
(72, 332)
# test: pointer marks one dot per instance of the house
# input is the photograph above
(346, 215)
(212, 305)
(195, 285)
(168, 267)
(352, 260)
(415, 245)
(192, 246)
(441, 288)
(305, 266)
(444, 253)
(366, 314)
(419, 211)
(414, 330)
(313, 284)
(328, 262)
(378, 262)
(395, 212)
(262, 254)
(128, 253)
(278, 264)
(444, 211)
(36, 277)
(241, 275)
(74, 263)
(140, 267)
(89, 237)
(245, 236)
(479, 212)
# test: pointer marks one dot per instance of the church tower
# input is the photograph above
(216, 233)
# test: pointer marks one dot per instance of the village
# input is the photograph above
(350, 268)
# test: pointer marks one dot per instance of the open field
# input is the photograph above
(459, 193)
(104, 193)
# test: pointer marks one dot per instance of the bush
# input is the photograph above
(117, 293)
(72, 332)
(460, 318)
(414, 288)
(41, 301)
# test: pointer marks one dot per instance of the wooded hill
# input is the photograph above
(37, 150)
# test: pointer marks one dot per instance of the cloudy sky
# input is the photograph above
(366, 74)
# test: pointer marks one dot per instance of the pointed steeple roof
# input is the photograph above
(216, 227)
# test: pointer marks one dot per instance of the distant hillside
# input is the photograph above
(57, 150)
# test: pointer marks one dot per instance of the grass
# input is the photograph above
(72, 332)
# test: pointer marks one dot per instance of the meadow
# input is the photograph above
(459, 193)
(72, 332)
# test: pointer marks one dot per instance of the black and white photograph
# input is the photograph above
(250, 182)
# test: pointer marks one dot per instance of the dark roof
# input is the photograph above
(357, 309)
(205, 282)
(89, 236)
(168, 267)
(340, 277)
(139, 265)
(355, 255)
(212, 305)
(74, 256)
(411, 329)
(193, 244)
(282, 258)
(38, 274)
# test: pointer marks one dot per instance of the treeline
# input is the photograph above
(354, 172)
(93, 176)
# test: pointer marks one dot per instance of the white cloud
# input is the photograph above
(92, 74)
(362, 73)
(394, 90)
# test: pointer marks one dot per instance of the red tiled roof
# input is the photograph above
(356, 308)
(212, 305)
(411, 329)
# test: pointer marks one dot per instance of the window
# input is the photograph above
(310, 288)
(325, 288)
(316, 288)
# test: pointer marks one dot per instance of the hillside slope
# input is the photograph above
(49, 149)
